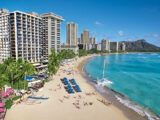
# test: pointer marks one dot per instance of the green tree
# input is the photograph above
(67, 54)
(14, 72)
(54, 62)
(82, 53)
(27, 69)
(3, 80)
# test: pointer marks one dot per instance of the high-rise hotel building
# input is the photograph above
(51, 33)
(29, 35)
(5, 51)
(92, 40)
(72, 34)
(85, 37)
(20, 36)
(105, 45)
(26, 38)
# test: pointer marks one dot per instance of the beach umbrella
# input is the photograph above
(2, 104)
(2, 109)
(72, 91)
(10, 90)
(7, 93)
(2, 93)
(74, 82)
(79, 90)
(70, 86)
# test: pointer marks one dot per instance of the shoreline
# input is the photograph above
(92, 104)
(130, 53)
(60, 105)
(129, 113)
(132, 112)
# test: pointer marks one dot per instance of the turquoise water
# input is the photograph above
(135, 75)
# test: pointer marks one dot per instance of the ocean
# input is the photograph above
(136, 76)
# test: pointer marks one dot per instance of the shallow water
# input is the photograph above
(135, 75)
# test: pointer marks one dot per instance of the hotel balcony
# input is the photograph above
(18, 18)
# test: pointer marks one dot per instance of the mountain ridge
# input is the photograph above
(138, 46)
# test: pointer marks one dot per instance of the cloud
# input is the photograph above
(121, 33)
(155, 35)
(98, 23)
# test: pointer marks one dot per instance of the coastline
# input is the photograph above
(133, 112)
(60, 105)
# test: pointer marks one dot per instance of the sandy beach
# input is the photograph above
(87, 105)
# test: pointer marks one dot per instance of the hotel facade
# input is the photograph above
(105, 45)
(85, 39)
(5, 48)
(72, 34)
(28, 35)
(51, 36)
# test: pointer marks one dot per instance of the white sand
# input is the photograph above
(59, 108)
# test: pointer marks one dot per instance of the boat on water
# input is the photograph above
(103, 82)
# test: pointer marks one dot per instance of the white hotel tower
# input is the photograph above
(72, 33)
(28, 35)
(4, 35)
(51, 33)
(25, 30)
(20, 36)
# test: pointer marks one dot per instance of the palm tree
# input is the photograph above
(27, 69)
(18, 69)
(11, 72)
(3, 80)
(67, 54)
(54, 62)
(3, 68)
(9, 61)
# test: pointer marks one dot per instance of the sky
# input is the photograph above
(115, 20)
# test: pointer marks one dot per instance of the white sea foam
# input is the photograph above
(101, 83)
(139, 109)
(104, 82)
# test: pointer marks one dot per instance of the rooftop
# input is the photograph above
(52, 15)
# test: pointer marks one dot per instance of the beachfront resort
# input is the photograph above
(48, 72)
(39, 74)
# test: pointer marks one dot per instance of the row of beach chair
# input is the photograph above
(70, 89)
